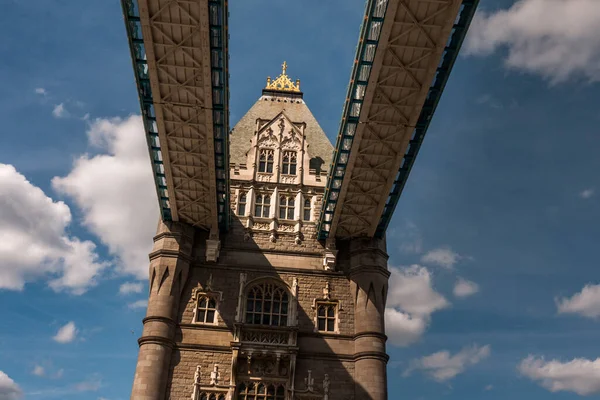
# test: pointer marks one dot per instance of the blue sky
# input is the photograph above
(495, 233)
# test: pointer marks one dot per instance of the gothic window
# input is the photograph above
(261, 391)
(326, 315)
(267, 304)
(306, 210)
(286, 207)
(242, 204)
(206, 310)
(262, 205)
(211, 396)
(288, 166)
(265, 161)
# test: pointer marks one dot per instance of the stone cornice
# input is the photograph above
(378, 335)
(372, 355)
(369, 269)
(156, 340)
(170, 254)
(273, 269)
(159, 318)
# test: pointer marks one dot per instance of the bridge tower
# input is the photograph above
(266, 310)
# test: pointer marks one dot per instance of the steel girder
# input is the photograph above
(405, 53)
(180, 57)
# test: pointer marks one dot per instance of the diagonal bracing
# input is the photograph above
(406, 51)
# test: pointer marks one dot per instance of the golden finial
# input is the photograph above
(283, 83)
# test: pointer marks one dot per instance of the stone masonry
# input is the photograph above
(280, 315)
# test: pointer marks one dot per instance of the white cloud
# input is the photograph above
(554, 38)
(9, 390)
(465, 288)
(404, 329)
(139, 304)
(442, 256)
(585, 303)
(579, 375)
(488, 388)
(442, 366)
(587, 193)
(410, 302)
(41, 91)
(131, 287)
(410, 238)
(34, 242)
(116, 191)
(91, 384)
(60, 111)
(38, 370)
(66, 333)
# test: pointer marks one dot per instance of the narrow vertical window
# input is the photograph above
(242, 204)
(262, 205)
(286, 207)
(306, 210)
(326, 317)
(265, 161)
(288, 166)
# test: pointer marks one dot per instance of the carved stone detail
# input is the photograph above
(264, 337)
(264, 177)
(291, 179)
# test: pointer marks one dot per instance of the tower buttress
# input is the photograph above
(369, 276)
(169, 268)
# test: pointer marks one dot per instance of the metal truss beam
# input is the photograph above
(405, 54)
(179, 50)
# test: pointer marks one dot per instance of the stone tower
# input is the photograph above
(266, 311)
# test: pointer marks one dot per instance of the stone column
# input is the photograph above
(169, 267)
(369, 277)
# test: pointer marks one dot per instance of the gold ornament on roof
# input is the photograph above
(283, 83)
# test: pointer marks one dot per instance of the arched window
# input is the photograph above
(261, 391)
(206, 310)
(288, 166)
(267, 304)
(265, 161)
(262, 205)
(286, 207)
(242, 204)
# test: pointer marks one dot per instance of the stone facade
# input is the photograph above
(280, 315)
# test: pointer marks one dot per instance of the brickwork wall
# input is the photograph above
(183, 368)
(340, 373)
(227, 281)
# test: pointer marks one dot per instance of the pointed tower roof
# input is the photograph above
(281, 95)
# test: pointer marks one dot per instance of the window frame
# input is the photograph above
(216, 297)
(327, 305)
(242, 195)
(266, 159)
(306, 209)
(251, 315)
(290, 163)
(249, 390)
(286, 207)
(263, 204)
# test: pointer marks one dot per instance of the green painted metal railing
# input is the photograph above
(457, 36)
(370, 31)
(351, 113)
